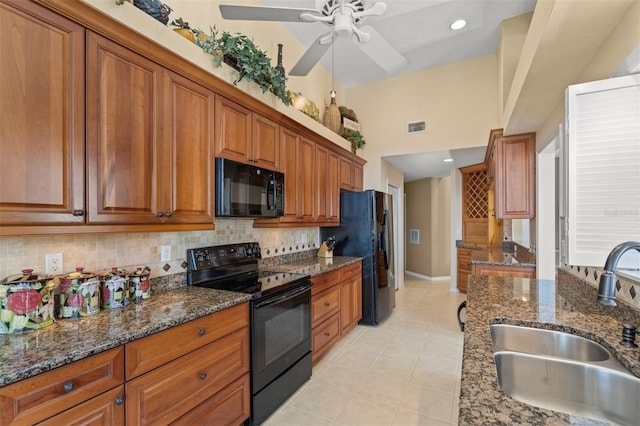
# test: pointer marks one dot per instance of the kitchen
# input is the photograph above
(478, 86)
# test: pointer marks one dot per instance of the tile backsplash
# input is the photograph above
(96, 252)
(627, 290)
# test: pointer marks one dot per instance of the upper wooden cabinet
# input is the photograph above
(149, 140)
(511, 161)
(42, 132)
(327, 187)
(350, 175)
(298, 167)
(244, 136)
(333, 188)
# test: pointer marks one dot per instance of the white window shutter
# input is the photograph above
(603, 123)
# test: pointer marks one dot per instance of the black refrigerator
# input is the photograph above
(366, 230)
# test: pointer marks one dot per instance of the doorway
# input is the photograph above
(398, 227)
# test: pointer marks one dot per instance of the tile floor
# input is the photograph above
(403, 372)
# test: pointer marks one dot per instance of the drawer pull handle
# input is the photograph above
(201, 332)
(326, 333)
(160, 214)
(327, 304)
(203, 376)
(119, 400)
(68, 387)
(169, 214)
(78, 212)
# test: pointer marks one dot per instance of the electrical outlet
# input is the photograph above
(53, 263)
(166, 254)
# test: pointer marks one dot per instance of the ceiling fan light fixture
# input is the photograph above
(458, 24)
(448, 160)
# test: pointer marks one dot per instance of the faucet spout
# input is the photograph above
(607, 286)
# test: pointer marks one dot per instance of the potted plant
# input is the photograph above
(356, 139)
(251, 63)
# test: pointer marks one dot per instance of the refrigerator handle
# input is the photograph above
(383, 242)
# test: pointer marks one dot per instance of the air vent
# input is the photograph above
(414, 236)
(416, 127)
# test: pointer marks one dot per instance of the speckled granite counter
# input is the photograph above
(502, 257)
(566, 305)
(28, 354)
(313, 266)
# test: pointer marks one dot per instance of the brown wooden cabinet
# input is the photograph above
(336, 307)
(512, 161)
(51, 393)
(464, 268)
(333, 188)
(298, 168)
(149, 141)
(106, 409)
(504, 271)
(479, 224)
(42, 135)
(202, 365)
(351, 297)
(327, 188)
(245, 136)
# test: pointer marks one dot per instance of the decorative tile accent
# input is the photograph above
(166, 267)
(626, 289)
(632, 292)
(184, 264)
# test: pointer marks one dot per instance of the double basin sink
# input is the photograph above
(566, 373)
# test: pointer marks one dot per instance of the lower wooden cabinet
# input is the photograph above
(464, 268)
(336, 307)
(40, 397)
(103, 410)
(504, 271)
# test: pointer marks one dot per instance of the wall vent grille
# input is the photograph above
(417, 127)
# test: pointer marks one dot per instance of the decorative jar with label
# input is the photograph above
(79, 294)
(114, 289)
(26, 302)
(139, 284)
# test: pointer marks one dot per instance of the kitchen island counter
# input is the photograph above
(567, 304)
(313, 266)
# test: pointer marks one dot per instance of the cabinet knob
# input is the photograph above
(203, 376)
(119, 400)
(326, 333)
(169, 214)
(159, 214)
(327, 304)
(68, 387)
(201, 332)
(78, 212)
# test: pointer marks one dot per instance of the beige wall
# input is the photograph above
(428, 210)
(457, 101)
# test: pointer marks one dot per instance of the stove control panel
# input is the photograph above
(216, 256)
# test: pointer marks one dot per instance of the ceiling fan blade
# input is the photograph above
(257, 13)
(313, 54)
(381, 52)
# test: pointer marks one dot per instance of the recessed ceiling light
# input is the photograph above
(458, 24)
(448, 160)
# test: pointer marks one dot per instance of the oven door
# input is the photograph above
(281, 333)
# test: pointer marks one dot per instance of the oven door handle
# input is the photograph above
(285, 296)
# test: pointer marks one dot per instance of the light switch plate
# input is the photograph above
(166, 254)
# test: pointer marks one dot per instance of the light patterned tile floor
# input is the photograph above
(405, 372)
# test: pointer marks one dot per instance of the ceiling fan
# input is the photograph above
(345, 17)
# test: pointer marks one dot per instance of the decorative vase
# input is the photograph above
(331, 117)
(279, 67)
(154, 8)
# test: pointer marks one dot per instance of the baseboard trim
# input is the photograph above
(426, 277)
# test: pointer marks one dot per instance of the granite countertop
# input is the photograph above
(313, 266)
(566, 305)
(28, 354)
(511, 255)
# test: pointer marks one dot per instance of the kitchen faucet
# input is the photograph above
(607, 287)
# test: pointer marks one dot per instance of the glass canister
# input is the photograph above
(139, 284)
(114, 289)
(26, 302)
(79, 294)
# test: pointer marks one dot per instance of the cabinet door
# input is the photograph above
(289, 154)
(346, 174)
(233, 130)
(515, 177)
(306, 172)
(42, 108)
(333, 188)
(106, 409)
(123, 147)
(188, 160)
(321, 188)
(264, 143)
(356, 179)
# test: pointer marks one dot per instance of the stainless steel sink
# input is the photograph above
(578, 388)
(546, 342)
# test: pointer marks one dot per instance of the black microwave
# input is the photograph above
(243, 190)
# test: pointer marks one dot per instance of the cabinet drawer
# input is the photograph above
(230, 406)
(103, 410)
(42, 396)
(351, 271)
(325, 336)
(324, 281)
(169, 392)
(325, 304)
(153, 351)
